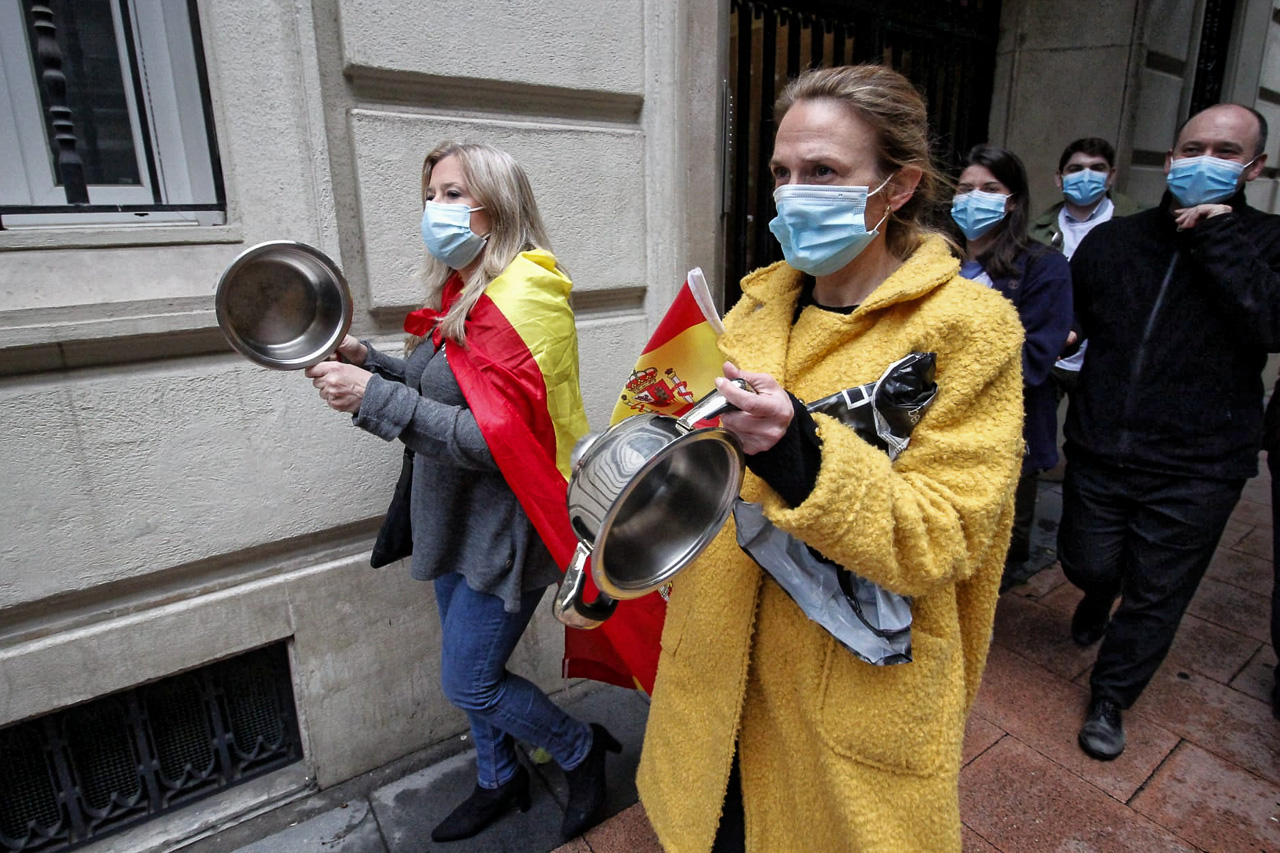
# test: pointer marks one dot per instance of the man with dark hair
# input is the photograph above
(1086, 174)
(1181, 305)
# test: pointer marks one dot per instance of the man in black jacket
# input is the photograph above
(1181, 305)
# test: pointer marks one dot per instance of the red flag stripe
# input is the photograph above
(684, 313)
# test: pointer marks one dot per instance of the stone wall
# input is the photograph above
(169, 504)
(1123, 71)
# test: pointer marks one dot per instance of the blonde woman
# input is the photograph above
(766, 733)
(489, 404)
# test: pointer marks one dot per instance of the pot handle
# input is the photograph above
(569, 607)
(711, 406)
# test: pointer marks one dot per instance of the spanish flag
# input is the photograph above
(680, 363)
(519, 374)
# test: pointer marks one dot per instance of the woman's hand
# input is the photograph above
(341, 385)
(352, 351)
(764, 416)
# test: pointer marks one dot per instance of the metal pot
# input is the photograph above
(284, 305)
(645, 498)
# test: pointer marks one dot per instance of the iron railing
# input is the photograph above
(76, 775)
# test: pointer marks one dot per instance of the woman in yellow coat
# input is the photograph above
(765, 733)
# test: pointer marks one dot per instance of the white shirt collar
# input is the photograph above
(1102, 211)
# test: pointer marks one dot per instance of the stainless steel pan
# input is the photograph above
(284, 305)
(645, 498)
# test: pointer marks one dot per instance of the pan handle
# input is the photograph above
(569, 607)
(710, 406)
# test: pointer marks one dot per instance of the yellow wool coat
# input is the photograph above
(836, 754)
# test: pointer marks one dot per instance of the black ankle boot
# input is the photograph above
(586, 785)
(483, 807)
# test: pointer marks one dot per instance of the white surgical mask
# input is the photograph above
(446, 229)
(1204, 179)
(821, 227)
(977, 212)
(1084, 187)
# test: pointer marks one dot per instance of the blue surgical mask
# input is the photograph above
(821, 228)
(446, 229)
(1204, 179)
(1084, 187)
(977, 212)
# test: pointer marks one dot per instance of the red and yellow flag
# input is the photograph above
(681, 361)
(519, 374)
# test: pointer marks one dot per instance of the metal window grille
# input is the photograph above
(109, 112)
(75, 775)
(947, 48)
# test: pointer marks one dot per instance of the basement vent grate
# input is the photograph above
(75, 775)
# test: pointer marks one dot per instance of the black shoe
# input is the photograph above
(483, 807)
(1089, 622)
(1275, 700)
(1102, 735)
(586, 785)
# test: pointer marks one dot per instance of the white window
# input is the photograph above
(104, 115)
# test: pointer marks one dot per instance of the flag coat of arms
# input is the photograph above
(681, 361)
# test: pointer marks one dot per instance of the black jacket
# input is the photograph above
(1179, 327)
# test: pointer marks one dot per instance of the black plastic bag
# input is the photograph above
(883, 413)
(870, 621)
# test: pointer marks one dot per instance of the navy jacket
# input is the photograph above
(1179, 326)
(1041, 291)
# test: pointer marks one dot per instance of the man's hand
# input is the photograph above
(1188, 217)
(341, 385)
(763, 417)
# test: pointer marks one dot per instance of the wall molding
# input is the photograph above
(427, 92)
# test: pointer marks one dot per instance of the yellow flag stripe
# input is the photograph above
(693, 358)
(534, 297)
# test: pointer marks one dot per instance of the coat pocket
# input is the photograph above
(906, 718)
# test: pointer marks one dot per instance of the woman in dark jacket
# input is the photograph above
(992, 207)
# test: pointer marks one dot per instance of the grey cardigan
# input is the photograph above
(465, 517)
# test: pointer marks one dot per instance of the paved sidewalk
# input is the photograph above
(1201, 772)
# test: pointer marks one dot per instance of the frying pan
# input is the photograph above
(283, 305)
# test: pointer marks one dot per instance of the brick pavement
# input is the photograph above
(1201, 771)
(1202, 766)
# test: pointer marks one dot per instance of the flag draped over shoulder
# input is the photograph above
(681, 361)
(519, 374)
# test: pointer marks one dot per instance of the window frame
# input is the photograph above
(165, 81)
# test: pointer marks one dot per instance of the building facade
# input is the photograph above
(1130, 72)
(170, 506)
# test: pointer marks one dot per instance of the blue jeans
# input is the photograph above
(478, 638)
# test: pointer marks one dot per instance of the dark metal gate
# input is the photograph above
(946, 47)
(1211, 58)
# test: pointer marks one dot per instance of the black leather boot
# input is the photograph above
(483, 807)
(1102, 735)
(587, 785)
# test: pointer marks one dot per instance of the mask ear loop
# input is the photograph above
(888, 208)
(484, 237)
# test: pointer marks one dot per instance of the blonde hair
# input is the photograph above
(886, 101)
(498, 184)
